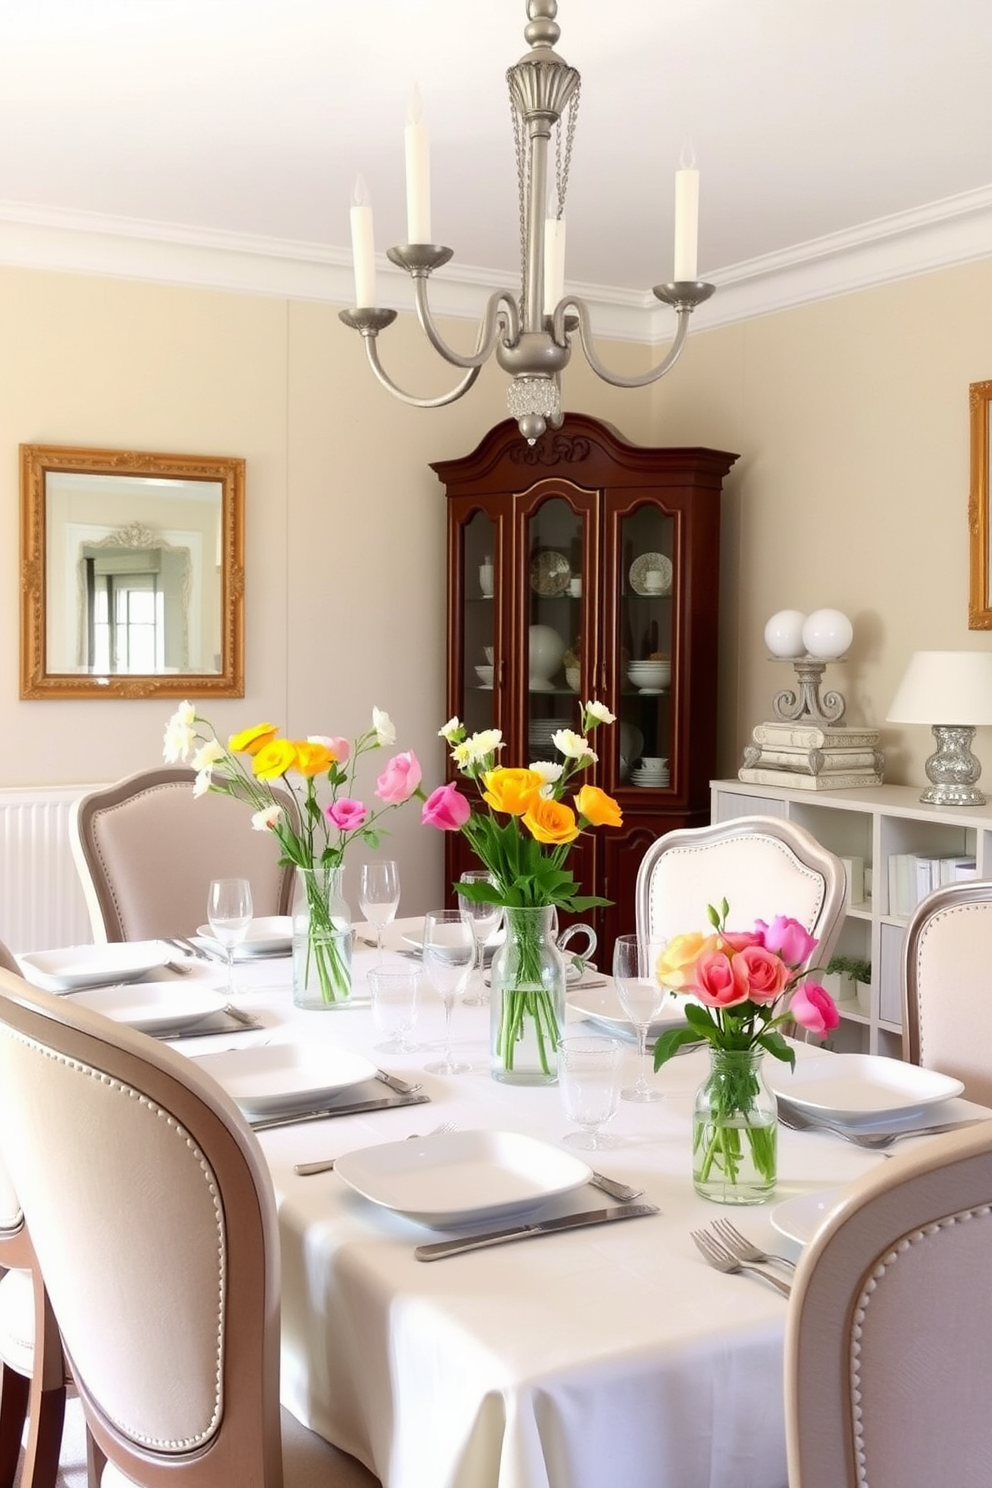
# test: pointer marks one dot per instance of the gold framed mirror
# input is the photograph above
(980, 509)
(132, 574)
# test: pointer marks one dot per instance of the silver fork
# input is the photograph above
(722, 1260)
(873, 1141)
(745, 1249)
(307, 1170)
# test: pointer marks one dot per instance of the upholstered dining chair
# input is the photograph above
(763, 866)
(888, 1350)
(32, 1369)
(146, 850)
(153, 1217)
(947, 1005)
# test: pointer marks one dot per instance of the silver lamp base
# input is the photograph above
(952, 769)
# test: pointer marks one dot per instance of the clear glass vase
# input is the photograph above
(321, 939)
(735, 1130)
(527, 999)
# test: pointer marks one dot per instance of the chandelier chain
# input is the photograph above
(523, 181)
(563, 158)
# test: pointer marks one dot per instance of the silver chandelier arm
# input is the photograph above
(441, 401)
(501, 321)
(585, 336)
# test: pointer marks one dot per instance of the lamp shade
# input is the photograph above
(948, 687)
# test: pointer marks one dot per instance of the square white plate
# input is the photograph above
(455, 1178)
(270, 1079)
(799, 1218)
(153, 1007)
(74, 967)
(602, 1006)
(860, 1087)
(268, 935)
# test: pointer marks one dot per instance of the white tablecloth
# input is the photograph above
(606, 1355)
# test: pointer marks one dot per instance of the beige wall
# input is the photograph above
(850, 416)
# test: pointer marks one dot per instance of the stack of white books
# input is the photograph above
(912, 876)
(809, 756)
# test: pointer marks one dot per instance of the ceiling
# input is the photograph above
(807, 118)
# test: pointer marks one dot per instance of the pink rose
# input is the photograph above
(347, 815)
(718, 982)
(340, 748)
(446, 808)
(399, 779)
(791, 940)
(812, 1007)
(766, 973)
(739, 940)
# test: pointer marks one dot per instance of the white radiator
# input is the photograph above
(41, 901)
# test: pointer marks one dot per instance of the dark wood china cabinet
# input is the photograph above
(585, 567)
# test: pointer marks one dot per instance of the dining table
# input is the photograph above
(591, 1356)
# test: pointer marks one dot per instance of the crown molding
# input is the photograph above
(953, 231)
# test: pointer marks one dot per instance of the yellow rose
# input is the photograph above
(312, 759)
(599, 809)
(274, 759)
(677, 961)
(551, 822)
(250, 740)
(512, 791)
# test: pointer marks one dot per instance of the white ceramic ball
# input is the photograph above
(827, 634)
(784, 633)
(546, 652)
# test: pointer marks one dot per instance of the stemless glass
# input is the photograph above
(449, 955)
(395, 995)
(379, 895)
(485, 919)
(642, 998)
(229, 912)
(589, 1077)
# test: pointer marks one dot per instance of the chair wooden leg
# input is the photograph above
(46, 1416)
(14, 1391)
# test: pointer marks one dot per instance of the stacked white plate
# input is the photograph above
(657, 778)
(539, 736)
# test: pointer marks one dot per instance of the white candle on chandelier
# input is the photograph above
(554, 262)
(686, 217)
(418, 174)
(363, 246)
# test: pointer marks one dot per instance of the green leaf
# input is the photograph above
(776, 1045)
(671, 1042)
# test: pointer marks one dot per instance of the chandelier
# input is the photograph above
(531, 338)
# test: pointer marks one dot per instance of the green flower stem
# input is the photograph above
(526, 1005)
(733, 1086)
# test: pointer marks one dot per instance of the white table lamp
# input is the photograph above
(952, 685)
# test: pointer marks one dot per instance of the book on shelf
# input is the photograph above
(814, 736)
(814, 761)
(797, 780)
(912, 876)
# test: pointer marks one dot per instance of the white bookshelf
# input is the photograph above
(871, 823)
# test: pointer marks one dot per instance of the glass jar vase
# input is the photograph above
(735, 1130)
(527, 999)
(322, 939)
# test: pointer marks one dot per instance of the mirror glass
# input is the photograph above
(133, 574)
(979, 504)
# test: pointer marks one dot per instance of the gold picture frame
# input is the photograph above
(980, 508)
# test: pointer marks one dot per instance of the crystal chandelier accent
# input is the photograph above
(531, 335)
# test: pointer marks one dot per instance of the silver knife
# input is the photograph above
(444, 1248)
(294, 1118)
(402, 1087)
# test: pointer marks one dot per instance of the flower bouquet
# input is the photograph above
(311, 837)
(521, 829)
(746, 985)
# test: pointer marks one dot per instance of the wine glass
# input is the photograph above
(484, 918)
(229, 912)
(379, 895)
(395, 994)
(642, 997)
(449, 955)
(589, 1078)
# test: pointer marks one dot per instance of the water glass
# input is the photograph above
(449, 955)
(379, 895)
(589, 1081)
(229, 912)
(485, 918)
(395, 994)
(642, 998)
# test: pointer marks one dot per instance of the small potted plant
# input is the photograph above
(856, 969)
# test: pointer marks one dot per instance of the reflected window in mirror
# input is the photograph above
(132, 574)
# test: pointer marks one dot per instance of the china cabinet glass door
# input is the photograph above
(556, 638)
(479, 656)
(648, 594)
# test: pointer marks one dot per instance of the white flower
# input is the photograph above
(383, 725)
(180, 734)
(453, 730)
(599, 712)
(478, 748)
(209, 754)
(264, 821)
(201, 784)
(550, 773)
(573, 746)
